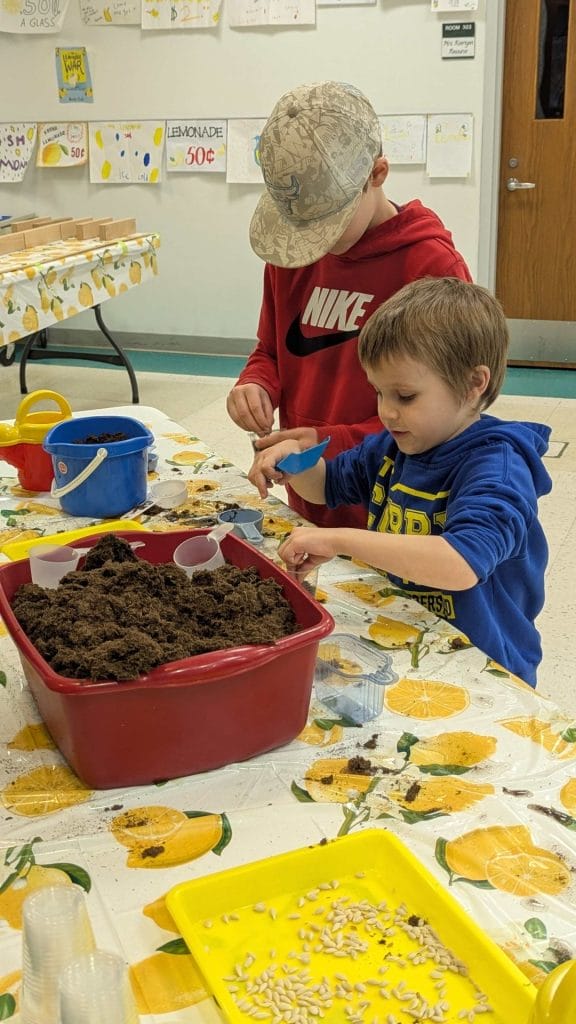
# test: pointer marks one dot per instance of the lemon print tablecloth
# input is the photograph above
(466, 764)
(50, 283)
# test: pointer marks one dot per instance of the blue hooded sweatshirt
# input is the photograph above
(480, 492)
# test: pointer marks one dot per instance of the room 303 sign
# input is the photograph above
(458, 40)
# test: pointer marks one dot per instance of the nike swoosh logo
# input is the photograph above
(298, 345)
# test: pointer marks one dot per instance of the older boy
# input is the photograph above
(451, 494)
(335, 248)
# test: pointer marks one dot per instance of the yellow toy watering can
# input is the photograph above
(21, 444)
(556, 999)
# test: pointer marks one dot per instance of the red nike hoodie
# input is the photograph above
(306, 356)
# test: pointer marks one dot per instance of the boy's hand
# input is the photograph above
(250, 407)
(308, 546)
(263, 472)
(307, 437)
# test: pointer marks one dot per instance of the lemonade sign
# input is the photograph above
(16, 146)
(62, 144)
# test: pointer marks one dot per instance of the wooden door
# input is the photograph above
(536, 266)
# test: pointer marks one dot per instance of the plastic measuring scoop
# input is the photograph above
(246, 523)
(50, 562)
(202, 553)
(298, 462)
(166, 494)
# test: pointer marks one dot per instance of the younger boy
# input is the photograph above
(335, 248)
(451, 494)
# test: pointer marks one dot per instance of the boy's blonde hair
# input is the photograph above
(449, 325)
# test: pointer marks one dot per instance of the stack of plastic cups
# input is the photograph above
(95, 989)
(55, 930)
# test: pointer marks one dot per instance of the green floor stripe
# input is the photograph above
(519, 380)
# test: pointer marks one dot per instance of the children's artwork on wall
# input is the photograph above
(345, 3)
(404, 138)
(62, 144)
(196, 145)
(454, 5)
(243, 160)
(32, 16)
(449, 150)
(73, 73)
(16, 148)
(187, 14)
(122, 153)
(110, 12)
(246, 13)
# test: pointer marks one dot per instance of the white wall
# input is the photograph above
(209, 283)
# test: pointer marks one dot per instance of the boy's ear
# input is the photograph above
(379, 171)
(479, 381)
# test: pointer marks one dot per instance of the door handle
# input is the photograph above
(513, 184)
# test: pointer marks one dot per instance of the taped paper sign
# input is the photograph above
(16, 147)
(110, 12)
(168, 14)
(196, 145)
(449, 145)
(74, 82)
(243, 160)
(404, 138)
(32, 16)
(454, 5)
(62, 144)
(122, 153)
(243, 13)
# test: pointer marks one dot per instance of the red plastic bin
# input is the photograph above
(186, 716)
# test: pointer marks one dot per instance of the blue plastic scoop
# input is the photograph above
(298, 462)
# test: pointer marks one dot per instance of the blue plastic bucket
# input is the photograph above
(111, 476)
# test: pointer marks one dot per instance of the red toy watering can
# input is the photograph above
(21, 444)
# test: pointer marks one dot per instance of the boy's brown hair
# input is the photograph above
(449, 325)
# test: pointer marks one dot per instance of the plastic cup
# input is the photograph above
(199, 553)
(50, 562)
(247, 523)
(55, 930)
(95, 989)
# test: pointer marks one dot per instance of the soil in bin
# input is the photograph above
(119, 616)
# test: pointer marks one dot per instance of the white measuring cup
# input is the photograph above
(166, 494)
(50, 562)
(203, 552)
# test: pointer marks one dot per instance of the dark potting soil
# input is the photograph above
(104, 438)
(118, 616)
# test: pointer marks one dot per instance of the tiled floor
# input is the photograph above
(198, 403)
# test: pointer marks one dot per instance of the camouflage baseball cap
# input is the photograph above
(317, 150)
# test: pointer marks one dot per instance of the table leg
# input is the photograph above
(123, 358)
(7, 355)
(42, 352)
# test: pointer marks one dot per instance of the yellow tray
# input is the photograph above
(268, 910)
(20, 548)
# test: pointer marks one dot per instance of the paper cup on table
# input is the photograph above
(96, 989)
(50, 562)
(55, 930)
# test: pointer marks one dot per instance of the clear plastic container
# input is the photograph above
(95, 989)
(350, 677)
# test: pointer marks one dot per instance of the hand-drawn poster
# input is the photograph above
(62, 144)
(16, 147)
(126, 154)
(454, 5)
(404, 138)
(345, 3)
(449, 145)
(246, 13)
(196, 145)
(168, 14)
(32, 16)
(110, 12)
(73, 72)
(243, 160)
